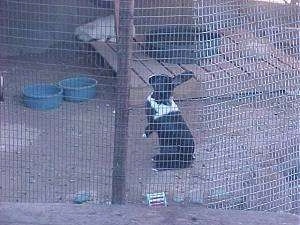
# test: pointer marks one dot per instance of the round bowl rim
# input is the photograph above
(77, 88)
(59, 93)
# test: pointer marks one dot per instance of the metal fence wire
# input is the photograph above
(107, 101)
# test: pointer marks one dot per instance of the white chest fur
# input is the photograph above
(162, 109)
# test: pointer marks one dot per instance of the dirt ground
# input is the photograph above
(246, 149)
(52, 155)
(57, 214)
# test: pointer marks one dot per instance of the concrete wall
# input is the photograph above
(29, 26)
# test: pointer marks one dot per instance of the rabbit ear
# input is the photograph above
(160, 79)
(182, 77)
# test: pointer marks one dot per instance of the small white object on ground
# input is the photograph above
(157, 199)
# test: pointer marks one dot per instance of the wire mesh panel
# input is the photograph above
(213, 102)
(54, 149)
(240, 107)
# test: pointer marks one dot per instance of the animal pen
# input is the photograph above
(241, 105)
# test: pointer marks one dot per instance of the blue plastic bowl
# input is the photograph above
(78, 89)
(42, 96)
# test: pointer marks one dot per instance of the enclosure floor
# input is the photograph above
(51, 156)
(240, 149)
(57, 214)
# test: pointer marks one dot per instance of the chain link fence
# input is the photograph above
(235, 120)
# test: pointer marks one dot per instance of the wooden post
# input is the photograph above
(122, 103)
(117, 17)
(2, 75)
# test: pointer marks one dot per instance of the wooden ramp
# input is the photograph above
(142, 67)
(227, 73)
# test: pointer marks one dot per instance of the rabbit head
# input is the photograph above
(164, 85)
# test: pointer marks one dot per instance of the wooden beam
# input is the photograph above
(117, 17)
(122, 104)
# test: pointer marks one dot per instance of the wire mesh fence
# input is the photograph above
(214, 88)
(60, 154)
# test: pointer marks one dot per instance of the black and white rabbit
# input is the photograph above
(164, 117)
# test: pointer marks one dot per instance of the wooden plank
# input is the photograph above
(226, 65)
(279, 64)
(190, 89)
(138, 96)
(241, 35)
(107, 53)
(233, 53)
(266, 77)
(215, 71)
(200, 73)
(173, 68)
(141, 70)
(137, 64)
(268, 73)
(230, 51)
(213, 82)
(144, 67)
(154, 66)
(237, 79)
(277, 71)
(289, 60)
(221, 83)
(136, 81)
(151, 64)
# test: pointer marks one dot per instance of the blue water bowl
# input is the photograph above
(78, 89)
(42, 96)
